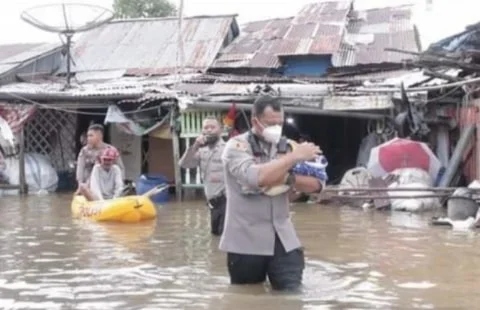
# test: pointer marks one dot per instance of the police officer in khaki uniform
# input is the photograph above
(206, 152)
(259, 237)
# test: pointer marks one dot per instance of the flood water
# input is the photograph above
(355, 260)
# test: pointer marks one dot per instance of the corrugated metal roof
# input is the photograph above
(14, 55)
(123, 88)
(85, 90)
(316, 30)
(410, 78)
(327, 27)
(31, 53)
(149, 46)
(370, 32)
(328, 12)
(7, 67)
(9, 50)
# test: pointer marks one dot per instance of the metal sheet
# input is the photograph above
(390, 27)
(14, 55)
(32, 53)
(357, 103)
(318, 29)
(9, 50)
(99, 75)
(150, 45)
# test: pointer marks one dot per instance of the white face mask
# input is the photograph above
(272, 134)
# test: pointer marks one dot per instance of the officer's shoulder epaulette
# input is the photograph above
(238, 143)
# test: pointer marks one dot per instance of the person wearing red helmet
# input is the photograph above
(106, 180)
(91, 151)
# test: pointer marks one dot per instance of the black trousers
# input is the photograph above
(284, 270)
(217, 214)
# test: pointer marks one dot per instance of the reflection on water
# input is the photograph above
(355, 260)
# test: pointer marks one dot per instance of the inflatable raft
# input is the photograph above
(129, 209)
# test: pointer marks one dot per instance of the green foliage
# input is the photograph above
(143, 8)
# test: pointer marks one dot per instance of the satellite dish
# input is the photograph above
(67, 19)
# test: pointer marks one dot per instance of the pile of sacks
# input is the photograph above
(412, 178)
(403, 178)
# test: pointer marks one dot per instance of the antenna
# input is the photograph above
(66, 19)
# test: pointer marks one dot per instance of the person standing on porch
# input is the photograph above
(90, 154)
(206, 153)
(259, 237)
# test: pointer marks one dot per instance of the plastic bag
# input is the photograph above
(40, 174)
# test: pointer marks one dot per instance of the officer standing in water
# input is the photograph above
(259, 237)
(206, 152)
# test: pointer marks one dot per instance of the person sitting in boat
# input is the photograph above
(90, 153)
(106, 180)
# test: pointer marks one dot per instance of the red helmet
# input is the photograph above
(110, 153)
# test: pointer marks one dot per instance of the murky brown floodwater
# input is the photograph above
(355, 260)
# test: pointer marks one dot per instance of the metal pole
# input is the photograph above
(462, 144)
(21, 161)
(69, 58)
(176, 156)
(397, 189)
(180, 52)
(371, 197)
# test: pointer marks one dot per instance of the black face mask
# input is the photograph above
(211, 139)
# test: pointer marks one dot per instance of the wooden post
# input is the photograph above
(21, 162)
(176, 155)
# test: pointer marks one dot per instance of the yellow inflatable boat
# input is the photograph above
(129, 209)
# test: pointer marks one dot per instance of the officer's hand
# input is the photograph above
(199, 141)
(306, 151)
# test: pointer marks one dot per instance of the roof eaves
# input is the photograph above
(150, 19)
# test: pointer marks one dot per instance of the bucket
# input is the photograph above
(461, 208)
(148, 182)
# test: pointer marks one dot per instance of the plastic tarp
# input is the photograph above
(8, 143)
(40, 174)
(129, 125)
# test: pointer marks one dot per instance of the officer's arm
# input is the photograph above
(190, 158)
(308, 185)
(239, 161)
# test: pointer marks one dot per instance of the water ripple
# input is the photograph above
(355, 260)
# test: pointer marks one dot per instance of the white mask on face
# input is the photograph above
(272, 134)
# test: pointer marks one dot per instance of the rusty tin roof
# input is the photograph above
(149, 46)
